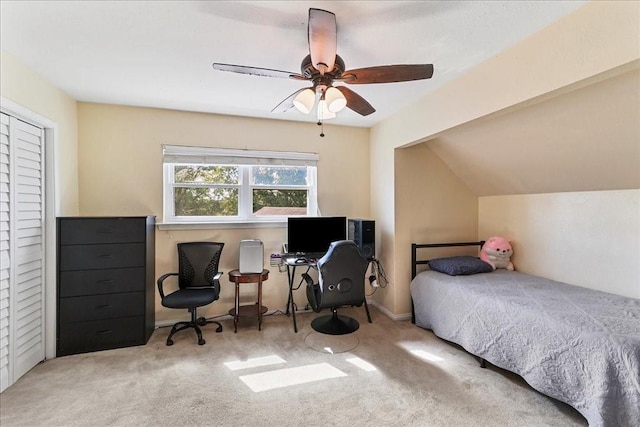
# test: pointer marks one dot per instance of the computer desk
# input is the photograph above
(292, 264)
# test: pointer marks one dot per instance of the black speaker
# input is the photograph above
(363, 232)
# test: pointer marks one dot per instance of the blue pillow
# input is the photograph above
(460, 265)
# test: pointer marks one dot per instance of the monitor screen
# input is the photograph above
(313, 235)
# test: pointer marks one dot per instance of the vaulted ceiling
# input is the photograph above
(586, 138)
(159, 53)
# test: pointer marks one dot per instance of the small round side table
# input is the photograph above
(248, 310)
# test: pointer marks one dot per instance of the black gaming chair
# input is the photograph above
(198, 282)
(341, 273)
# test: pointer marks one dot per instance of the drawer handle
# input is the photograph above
(104, 332)
(105, 282)
(106, 256)
(104, 307)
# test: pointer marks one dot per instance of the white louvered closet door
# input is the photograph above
(21, 249)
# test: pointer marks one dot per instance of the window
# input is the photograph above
(222, 185)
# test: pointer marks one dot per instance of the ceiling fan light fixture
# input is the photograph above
(323, 111)
(323, 66)
(304, 101)
(335, 100)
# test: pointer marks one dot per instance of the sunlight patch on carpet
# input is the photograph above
(414, 349)
(254, 362)
(291, 376)
(362, 364)
(425, 355)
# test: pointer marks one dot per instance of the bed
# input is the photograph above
(577, 345)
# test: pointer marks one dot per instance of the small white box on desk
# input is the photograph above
(251, 256)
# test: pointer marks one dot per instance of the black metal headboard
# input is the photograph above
(415, 261)
(415, 246)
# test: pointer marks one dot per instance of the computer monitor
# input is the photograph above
(311, 236)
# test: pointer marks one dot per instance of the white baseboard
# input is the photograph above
(383, 310)
(166, 323)
(390, 315)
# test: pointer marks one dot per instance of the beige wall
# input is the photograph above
(28, 89)
(589, 239)
(598, 37)
(120, 169)
(431, 205)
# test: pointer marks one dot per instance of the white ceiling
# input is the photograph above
(159, 53)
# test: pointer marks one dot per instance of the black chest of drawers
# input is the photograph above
(106, 296)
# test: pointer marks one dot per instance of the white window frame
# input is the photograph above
(244, 159)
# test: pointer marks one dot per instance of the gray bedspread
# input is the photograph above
(575, 344)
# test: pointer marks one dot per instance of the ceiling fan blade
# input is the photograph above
(287, 103)
(323, 39)
(255, 71)
(388, 74)
(356, 102)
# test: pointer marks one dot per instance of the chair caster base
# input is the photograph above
(195, 324)
(335, 325)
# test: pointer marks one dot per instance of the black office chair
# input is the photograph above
(341, 273)
(198, 282)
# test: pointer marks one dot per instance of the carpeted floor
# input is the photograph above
(386, 374)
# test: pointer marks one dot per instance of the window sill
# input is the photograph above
(220, 225)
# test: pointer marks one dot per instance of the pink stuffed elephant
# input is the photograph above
(497, 252)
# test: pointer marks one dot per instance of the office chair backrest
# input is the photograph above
(341, 275)
(198, 263)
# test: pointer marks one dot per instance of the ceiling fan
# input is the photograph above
(323, 67)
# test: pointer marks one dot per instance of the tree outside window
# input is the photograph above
(196, 192)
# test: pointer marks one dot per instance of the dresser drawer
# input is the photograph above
(95, 307)
(78, 231)
(86, 257)
(100, 335)
(105, 282)
(95, 282)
